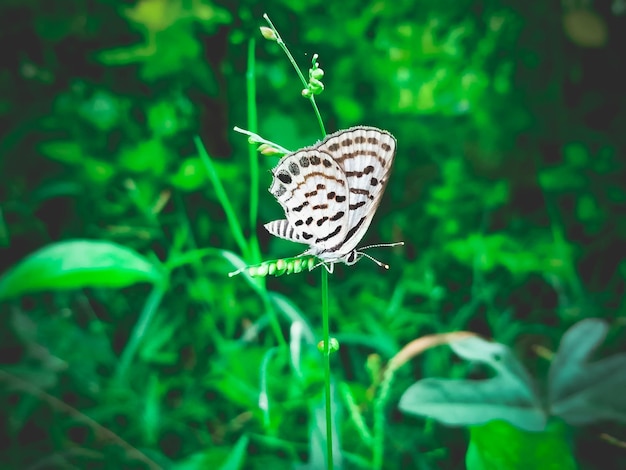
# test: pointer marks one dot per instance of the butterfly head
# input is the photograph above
(352, 257)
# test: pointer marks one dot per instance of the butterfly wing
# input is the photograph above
(365, 155)
(312, 189)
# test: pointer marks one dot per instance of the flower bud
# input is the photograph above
(333, 346)
(268, 33)
(265, 149)
(316, 86)
(316, 73)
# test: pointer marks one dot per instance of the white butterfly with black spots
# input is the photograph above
(331, 190)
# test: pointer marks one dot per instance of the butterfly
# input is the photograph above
(331, 190)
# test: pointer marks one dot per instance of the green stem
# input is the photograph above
(253, 245)
(317, 114)
(255, 251)
(283, 46)
(145, 318)
(326, 332)
(325, 313)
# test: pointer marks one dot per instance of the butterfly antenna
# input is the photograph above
(379, 263)
(378, 245)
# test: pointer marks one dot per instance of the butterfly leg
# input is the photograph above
(330, 267)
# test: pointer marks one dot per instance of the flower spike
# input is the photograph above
(279, 267)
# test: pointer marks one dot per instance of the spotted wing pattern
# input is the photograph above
(365, 154)
(312, 189)
(330, 191)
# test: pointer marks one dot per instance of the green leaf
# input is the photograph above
(581, 392)
(98, 171)
(156, 347)
(151, 411)
(76, 264)
(237, 456)
(147, 156)
(487, 252)
(124, 55)
(216, 457)
(237, 375)
(576, 154)
(561, 178)
(190, 176)
(103, 110)
(499, 445)
(162, 119)
(509, 396)
(65, 151)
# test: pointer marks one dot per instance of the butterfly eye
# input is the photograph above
(351, 258)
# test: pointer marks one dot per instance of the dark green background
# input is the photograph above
(508, 190)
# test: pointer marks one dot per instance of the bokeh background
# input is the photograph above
(508, 190)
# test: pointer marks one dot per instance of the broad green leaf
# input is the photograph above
(498, 445)
(581, 392)
(75, 264)
(509, 396)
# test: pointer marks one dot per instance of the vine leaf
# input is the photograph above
(509, 396)
(579, 391)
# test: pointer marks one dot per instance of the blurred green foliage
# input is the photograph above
(124, 342)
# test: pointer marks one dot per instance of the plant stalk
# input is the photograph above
(326, 332)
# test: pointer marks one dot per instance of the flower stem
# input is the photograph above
(255, 251)
(283, 46)
(326, 328)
